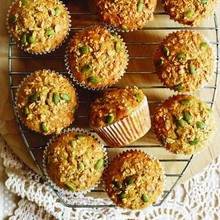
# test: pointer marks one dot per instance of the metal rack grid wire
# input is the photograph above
(16, 75)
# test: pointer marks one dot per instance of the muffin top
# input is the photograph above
(75, 161)
(38, 26)
(115, 105)
(126, 15)
(134, 180)
(97, 58)
(46, 102)
(184, 61)
(190, 12)
(184, 124)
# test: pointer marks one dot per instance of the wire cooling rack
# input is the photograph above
(141, 45)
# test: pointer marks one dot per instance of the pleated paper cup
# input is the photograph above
(186, 130)
(89, 171)
(125, 16)
(182, 68)
(104, 68)
(134, 180)
(37, 39)
(127, 130)
(39, 109)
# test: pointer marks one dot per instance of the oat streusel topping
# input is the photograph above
(37, 25)
(115, 105)
(46, 102)
(126, 15)
(75, 161)
(134, 180)
(97, 57)
(190, 12)
(184, 61)
(184, 124)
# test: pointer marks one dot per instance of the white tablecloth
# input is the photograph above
(22, 196)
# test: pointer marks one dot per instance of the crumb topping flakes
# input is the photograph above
(124, 14)
(184, 61)
(190, 12)
(46, 102)
(115, 105)
(134, 180)
(184, 124)
(75, 161)
(97, 57)
(39, 26)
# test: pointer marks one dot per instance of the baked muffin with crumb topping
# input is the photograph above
(74, 161)
(96, 58)
(190, 12)
(38, 26)
(134, 180)
(184, 61)
(46, 102)
(126, 15)
(120, 116)
(184, 124)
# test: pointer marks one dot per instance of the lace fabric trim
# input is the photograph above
(197, 198)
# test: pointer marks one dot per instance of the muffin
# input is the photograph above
(46, 102)
(184, 124)
(74, 161)
(38, 26)
(190, 12)
(134, 180)
(184, 61)
(120, 116)
(126, 15)
(96, 58)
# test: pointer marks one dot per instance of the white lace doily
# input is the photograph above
(197, 198)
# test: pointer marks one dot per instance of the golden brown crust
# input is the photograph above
(134, 180)
(190, 12)
(120, 116)
(184, 124)
(118, 102)
(184, 61)
(124, 14)
(38, 26)
(97, 57)
(46, 102)
(71, 161)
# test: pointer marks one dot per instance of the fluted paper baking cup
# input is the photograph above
(51, 108)
(127, 130)
(68, 190)
(105, 63)
(125, 17)
(25, 36)
(202, 79)
(188, 127)
(129, 181)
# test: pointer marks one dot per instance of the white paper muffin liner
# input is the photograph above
(127, 130)
(29, 51)
(66, 192)
(211, 75)
(24, 80)
(93, 7)
(66, 60)
(205, 18)
(148, 155)
(208, 142)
